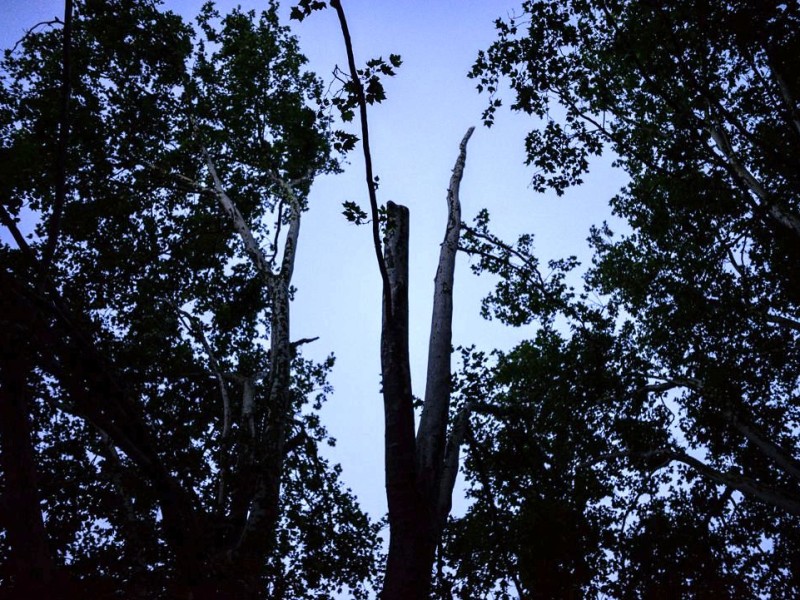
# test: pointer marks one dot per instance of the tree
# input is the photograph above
(146, 338)
(698, 102)
(421, 466)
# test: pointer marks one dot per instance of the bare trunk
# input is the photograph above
(419, 477)
(407, 570)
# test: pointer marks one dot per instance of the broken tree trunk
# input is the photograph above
(418, 486)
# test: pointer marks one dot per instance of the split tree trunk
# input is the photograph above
(419, 474)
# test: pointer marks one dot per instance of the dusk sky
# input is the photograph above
(415, 136)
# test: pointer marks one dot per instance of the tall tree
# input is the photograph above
(167, 397)
(699, 103)
(420, 464)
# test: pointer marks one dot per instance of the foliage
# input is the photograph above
(156, 282)
(699, 103)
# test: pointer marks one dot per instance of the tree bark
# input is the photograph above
(30, 563)
(419, 476)
(405, 569)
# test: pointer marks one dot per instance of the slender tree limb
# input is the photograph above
(251, 246)
(782, 458)
(8, 222)
(132, 520)
(194, 185)
(458, 436)
(194, 325)
(744, 484)
(365, 145)
(789, 221)
(784, 321)
(786, 94)
(54, 226)
(302, 341)
(433, 422)
(662, 457)
(525, 270)
(30, 30)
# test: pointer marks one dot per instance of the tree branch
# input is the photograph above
(54, 226)
(744, 484)
(194, 325)
(433, 422)
(251, 246)
(782, 458)
(370, 177)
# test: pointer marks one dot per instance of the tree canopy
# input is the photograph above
(147, 317)
(691, 413)
(160, 429)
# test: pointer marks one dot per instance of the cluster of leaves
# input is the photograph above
(699, 103)
(155, 277)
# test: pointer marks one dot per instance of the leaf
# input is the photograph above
(354, 213)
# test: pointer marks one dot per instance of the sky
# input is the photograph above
(414, 136)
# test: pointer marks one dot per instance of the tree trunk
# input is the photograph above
(30, 563)
(407, 570)
(419, 476)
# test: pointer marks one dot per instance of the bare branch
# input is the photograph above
(251, 246)
(29, 32)
(303, 341)
(433, 422)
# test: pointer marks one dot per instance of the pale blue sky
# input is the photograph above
(415, 136)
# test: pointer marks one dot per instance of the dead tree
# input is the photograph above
(420, 469)
(421, 466)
